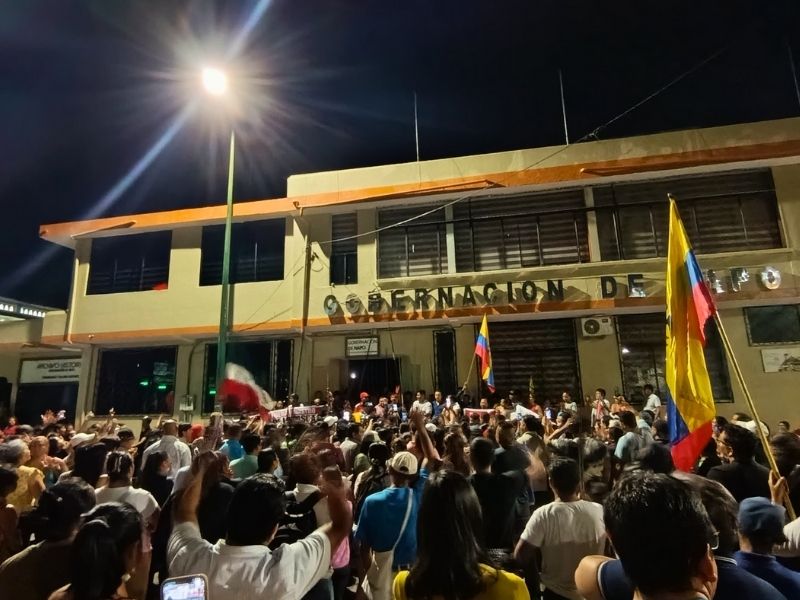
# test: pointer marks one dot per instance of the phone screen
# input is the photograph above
(346, 415)
(447, 403)
(191, 587)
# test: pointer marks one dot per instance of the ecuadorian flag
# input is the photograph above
(484, 352)
(690, 404)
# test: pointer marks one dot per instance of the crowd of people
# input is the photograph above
(401, 497)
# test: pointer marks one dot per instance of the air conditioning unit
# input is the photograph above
(597, 326)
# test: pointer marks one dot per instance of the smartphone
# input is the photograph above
(346, 415)
(549, 413)
(394, 407)
(447, 402)
(190, 587)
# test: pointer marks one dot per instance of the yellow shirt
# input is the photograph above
(500, 585)
(21, 498)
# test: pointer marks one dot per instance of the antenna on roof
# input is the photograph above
(416, 125)
(792, 67)
(563, 107)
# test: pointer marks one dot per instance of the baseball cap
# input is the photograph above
(760, 517)
(330, 420)
(81, 438)
(405, 463)
(430, 427)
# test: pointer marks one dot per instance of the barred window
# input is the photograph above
(642, 340)
(723, 212)
(521, 231)
(129, 263)
(344, 253)
(257, 249)
(135, 381)
(413, 249)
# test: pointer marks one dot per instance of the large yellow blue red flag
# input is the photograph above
(484, 352)
(690, 403)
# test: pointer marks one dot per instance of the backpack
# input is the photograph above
(298, 520)
(372, 483)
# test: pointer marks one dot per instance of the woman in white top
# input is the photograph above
(119, 468)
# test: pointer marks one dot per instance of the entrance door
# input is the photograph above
(376, 376)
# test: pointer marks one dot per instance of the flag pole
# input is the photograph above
(759, 431)
(469, 373)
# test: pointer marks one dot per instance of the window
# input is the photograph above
(773, 324)
(344, 253)
(136, 381)
(520, 232)
(721, 212)
(444, 346)
(257, 249)
(129, 263)
(643, 353)
(415, 249)
(269, 361)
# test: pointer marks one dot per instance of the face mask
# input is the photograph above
(278, 472)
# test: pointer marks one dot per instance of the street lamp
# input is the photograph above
(215, 83)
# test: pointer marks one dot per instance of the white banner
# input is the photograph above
(54, 370)
(362, 346)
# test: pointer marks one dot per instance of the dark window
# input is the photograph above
(344, 253)
(129, 263)
(136, 381)
(257, 249)
(520, 232)
(413, 249)
(444, 345)
(541, 353)
(643, 352)
(773, 324)
(721, 212)
(269, 361)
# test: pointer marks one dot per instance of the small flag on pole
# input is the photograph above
(690, 403)
(484, 352)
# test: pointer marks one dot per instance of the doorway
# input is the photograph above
(376, 376)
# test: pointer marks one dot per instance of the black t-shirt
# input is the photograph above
(514, 458)
(498, 494)
(212, 512)
(742, 480)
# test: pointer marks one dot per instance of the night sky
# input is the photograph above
(87, 87)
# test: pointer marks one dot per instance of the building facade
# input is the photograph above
(369, 279)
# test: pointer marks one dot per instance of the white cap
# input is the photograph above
(79, 439)
(330, 421)
(430, 427)
(404, 462)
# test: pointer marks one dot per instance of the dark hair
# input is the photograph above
(266, 458)
(8, 480)
(183, 428)
(60, 508)
(89, 463)
(743, 417)
(721, 507)
(255, 510)
(661, 506)
(594, 451)
(450, 544)
(656, 458)
(250, 443)
(628, 419)
(741, 442)
(98, 552)
(150, 471)
(353, 429)
(481, 453)
(118, 466)
(378, 455)
(602, 391)
(785, 424)
(565, 476)
(648, 386)
(505, 432)
(786, 449)
(305, 468)
(662, 428)
(235, 429)
(453, 457)
(533, 424)
(564, 448)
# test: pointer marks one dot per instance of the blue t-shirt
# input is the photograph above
(734, 583)
(382, 517)
(765, 566)
(232, 449)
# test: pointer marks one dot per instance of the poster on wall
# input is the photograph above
(777, 360)
(56, 370)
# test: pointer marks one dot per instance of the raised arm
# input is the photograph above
(341, 515)
(428, 449)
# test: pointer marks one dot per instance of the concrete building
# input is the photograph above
(376, 277)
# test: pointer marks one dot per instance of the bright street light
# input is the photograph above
(215, 81)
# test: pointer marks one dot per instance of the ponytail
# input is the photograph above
(118, 466)
(100, 549)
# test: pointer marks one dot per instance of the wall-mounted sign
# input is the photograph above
(777, 360)
(53, 370)
(358, 347)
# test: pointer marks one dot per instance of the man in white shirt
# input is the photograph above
(422, 404)
(178, 453)
(242, 566)
(653, 402)
(564, 532)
